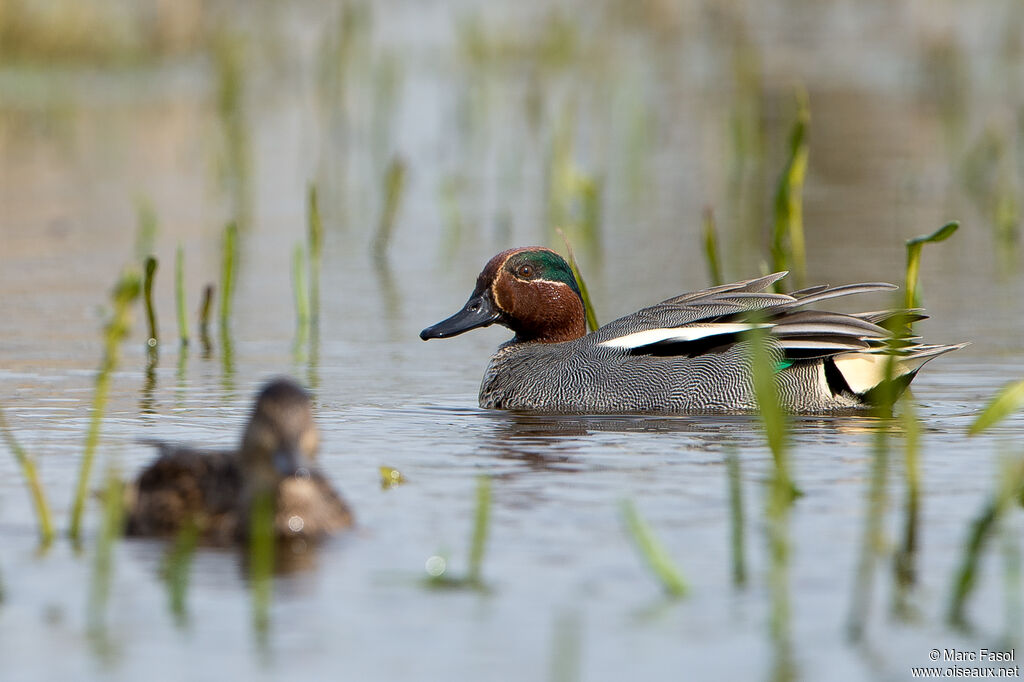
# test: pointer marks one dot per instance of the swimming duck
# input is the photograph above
(216, 489)
(690, 353)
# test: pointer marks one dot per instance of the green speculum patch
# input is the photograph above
(547, 265)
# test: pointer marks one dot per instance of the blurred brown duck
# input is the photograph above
(216, 490)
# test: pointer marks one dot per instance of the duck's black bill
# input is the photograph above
(478, 312)
(290, 462)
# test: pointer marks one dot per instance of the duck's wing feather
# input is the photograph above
(706, 305)
(702, 321)
(182, 485)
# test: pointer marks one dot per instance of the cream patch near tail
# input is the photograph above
(864, 371)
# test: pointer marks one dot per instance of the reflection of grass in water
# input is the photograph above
(125, 292)
(566, 649)
(904, 559)
(35, 486)
(175, 570)
(437, 566)
(653, 552)
(261, 563)
(394, 185)
(779, 500)
(103, 565)
(873, 538)
(736, 523)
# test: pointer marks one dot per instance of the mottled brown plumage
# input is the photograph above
(215, 489)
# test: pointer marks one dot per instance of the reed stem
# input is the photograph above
(124, 294)
(28, 470)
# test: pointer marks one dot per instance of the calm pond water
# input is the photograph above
(499, 113)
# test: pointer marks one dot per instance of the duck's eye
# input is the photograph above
(525, 271)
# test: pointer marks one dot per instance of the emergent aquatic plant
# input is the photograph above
(179, 294)
(653, 552)
(710, 243)
(588, 306)
(28, 470)
(147, 293)
(914, 247)
(125, 292)
(788, 251)
(1010, 491)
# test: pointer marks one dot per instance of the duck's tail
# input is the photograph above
(865, 374)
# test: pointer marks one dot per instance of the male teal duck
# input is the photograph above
(690, 353)
(215, 490)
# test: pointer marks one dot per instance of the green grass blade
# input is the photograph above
(736, 522)
(205, 308)
(914, 247)
(147, 290)
(481, 523)
(145, 237)
(711, 256)
(125, 292)
(1009, 399)
(788, 250)
(179, 294)
(773, 416)
(316, 245)
(28, 470)
(227, 274)
(588, 306)
(653, 552)
(301, 294)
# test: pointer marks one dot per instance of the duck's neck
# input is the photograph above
(556, 322)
